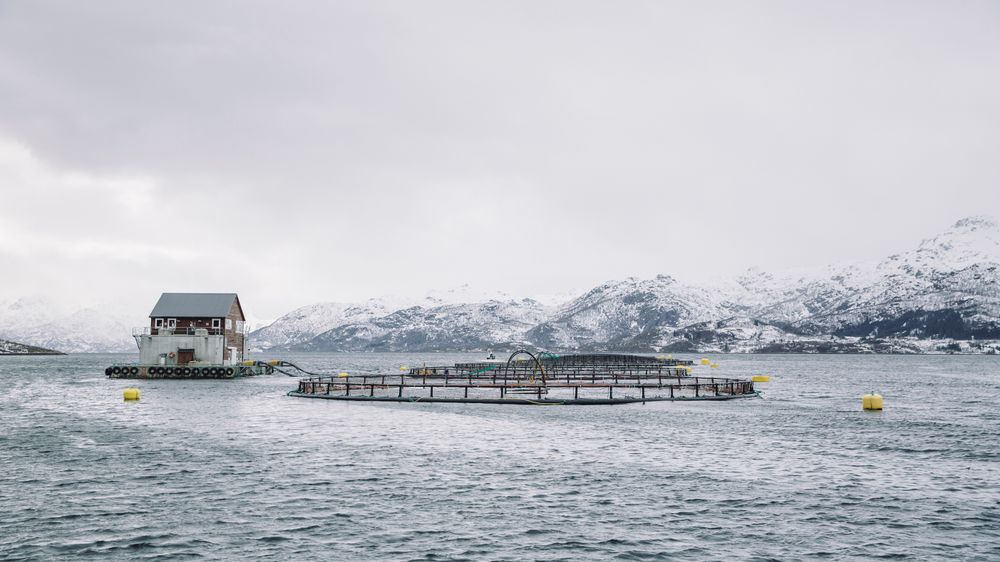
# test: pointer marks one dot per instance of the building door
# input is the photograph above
(185, 356)
(234, 357)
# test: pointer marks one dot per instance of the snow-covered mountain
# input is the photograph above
(947, 288)
(295, 329)
(39, 322)
(307, 322)
(436, 328)
(943, 294)
(626, 314)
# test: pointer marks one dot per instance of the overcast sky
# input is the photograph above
(298, 152)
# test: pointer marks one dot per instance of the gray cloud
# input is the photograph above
(389, 147)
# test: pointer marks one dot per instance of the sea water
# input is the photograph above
(235, 469)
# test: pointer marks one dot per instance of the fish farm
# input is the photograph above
(543, 379)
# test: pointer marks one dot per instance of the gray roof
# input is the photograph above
(193, 305)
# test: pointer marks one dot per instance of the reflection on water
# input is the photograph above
(235, 468)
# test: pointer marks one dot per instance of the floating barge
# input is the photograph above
(192, 336)
(545, 379)
(190, 371)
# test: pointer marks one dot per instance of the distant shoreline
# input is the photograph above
(21, 349)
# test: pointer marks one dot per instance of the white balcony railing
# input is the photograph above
(183, 331)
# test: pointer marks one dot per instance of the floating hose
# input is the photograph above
(276, 365)
(535, 403)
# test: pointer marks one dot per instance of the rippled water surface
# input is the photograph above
(236, 469)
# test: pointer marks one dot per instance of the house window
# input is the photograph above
(158, 323)
(171, 323)
(216, 323)
(229, 323)
(239, 326)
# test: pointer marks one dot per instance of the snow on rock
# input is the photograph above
(946, 289)
(307, 322)
(436, 328)
(944, 295)
(624, 314)
(39, 322)
(14, 348)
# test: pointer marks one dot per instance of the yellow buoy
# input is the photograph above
(273, 362)
(871, 401)
(131, 394)
(705, 361)
(760, 378)
(343, 375)
(404, 368)
(714, 365)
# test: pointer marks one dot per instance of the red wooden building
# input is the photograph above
(180, 314)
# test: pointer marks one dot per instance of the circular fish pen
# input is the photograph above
(526, 378)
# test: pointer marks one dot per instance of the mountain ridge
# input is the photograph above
(943, 290)
(943, 295)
